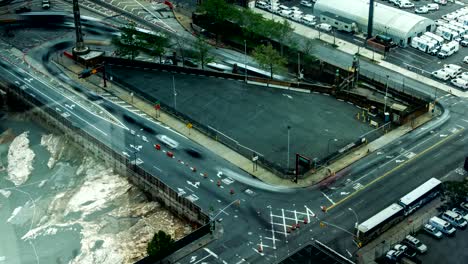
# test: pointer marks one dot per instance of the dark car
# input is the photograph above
(22, 9)
(190, 63)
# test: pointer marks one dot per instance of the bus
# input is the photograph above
(379, 223)
(421, 195)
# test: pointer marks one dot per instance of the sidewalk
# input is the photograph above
(230, 155)
(353, 49)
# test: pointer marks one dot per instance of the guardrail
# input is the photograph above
(147, 181)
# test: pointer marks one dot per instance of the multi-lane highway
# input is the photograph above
(257, 231)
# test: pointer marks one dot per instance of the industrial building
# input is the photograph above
(396, 23)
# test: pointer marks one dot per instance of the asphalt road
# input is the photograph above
(266, 212)
(255, 117)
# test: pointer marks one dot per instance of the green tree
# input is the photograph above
(268, 58)
(219, 11)
(160, 246)
(282, 32)
(155, 45)
(203, 49)
(128, 44)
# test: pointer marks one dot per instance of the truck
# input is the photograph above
(446, 33)
(433, 36)
(422, 44)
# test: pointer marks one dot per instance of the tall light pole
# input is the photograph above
(245, 60)
(289, 128)
(175, 93)
(385, 98)
(356, 224)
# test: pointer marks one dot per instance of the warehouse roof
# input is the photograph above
(387, 19)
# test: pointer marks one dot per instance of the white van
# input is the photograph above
(325, 27)
(448, 49)
(455, 219)
(460, 83)
(456, 68)
(406, 4)
(442, 225)
(433, 36)
(440, 74)
(308, 20)
(285, 13)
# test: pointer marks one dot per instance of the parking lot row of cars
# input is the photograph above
(445, 224)
(454, 73)
(294, 13)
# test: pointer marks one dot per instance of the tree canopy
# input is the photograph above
(160, 246)
(268, 58)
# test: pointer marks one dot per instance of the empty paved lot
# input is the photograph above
(256, 117)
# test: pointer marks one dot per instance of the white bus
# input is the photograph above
(419, 196)
(379, 223)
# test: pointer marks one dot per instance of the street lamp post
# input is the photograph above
(175, 93)
(289, 128)
(356, 224)
(245, 60)
(385, 98)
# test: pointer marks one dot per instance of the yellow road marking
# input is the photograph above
(394, 169)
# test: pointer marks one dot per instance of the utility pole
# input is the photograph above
(175, 93)
(289, 128)
(385, 98)
(80, 48)
(245, 60)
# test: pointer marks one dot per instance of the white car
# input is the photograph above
(463, 75)
(442, 2)
(432, 7)
(431, 230)
(421, 10)
(405, 4)
(325, 27)
(413, 242)
(168, 141)
(459, 82)
(306, 3)
(394, 254)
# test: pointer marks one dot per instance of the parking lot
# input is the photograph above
(446, 250)
(408, 57)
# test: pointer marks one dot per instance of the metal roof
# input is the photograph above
(387, 19)
(380, 217)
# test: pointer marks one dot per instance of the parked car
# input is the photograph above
(461, 83)
(464, 43)
(432, 7)
(450, 216)
(465, 60)
(406, 4)
(442, 2)
(261, 4)
(431, 230)
(394, 255)
(454, 67)
(325, 27)
(306, 3)
(459, 211)
(414, 243)
(441, 74)
(421, 10)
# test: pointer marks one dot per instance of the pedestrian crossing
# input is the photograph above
(114, 99)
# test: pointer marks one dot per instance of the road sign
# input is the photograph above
(254, 158)
(189, 125)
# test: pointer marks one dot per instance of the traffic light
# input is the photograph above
(85, 73)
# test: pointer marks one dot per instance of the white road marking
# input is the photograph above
(284, 223)
(328, 198)
(210, 252)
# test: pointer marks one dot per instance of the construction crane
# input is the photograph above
(80, 48)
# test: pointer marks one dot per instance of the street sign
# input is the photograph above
(254, 158)
(189, 125)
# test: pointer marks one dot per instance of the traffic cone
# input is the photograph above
(260, 248)
(218, 183)
(306, 221)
